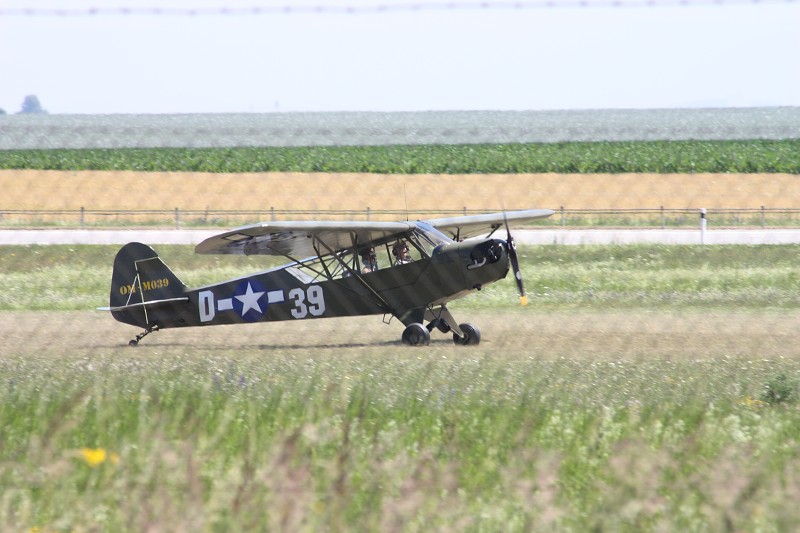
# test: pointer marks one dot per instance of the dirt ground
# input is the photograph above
(519, 333)
(44, 190)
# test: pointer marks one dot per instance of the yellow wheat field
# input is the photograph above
(95, 190)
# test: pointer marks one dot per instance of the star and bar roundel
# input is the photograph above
(250, 300)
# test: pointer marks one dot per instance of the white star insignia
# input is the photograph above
(250, 300)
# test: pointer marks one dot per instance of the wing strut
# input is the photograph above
(357, 275)
(317, 240)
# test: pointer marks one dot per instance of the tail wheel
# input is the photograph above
(472, 335)
(416, 335)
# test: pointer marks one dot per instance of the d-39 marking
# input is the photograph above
(250, 301)
(408, 270)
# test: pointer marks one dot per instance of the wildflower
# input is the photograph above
(94, 457)
(748, 401)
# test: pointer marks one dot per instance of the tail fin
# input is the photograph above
(140, 276)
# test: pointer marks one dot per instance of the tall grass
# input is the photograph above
(676, 410)
(211, 442)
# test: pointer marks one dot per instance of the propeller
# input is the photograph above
(512, 256)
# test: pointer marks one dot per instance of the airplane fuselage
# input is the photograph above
(288, 293)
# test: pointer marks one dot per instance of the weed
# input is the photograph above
(779, 390)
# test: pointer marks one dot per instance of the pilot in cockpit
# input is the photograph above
(401, 253)
(369, 261)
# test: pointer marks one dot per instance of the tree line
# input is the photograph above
(30, 106)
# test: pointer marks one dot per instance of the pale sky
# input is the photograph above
(723, 53)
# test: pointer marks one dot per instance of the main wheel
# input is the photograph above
(416, 335)
(472, 335)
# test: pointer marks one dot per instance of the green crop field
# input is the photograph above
(645, 388)
(590, 157)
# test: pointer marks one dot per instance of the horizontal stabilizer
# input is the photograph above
(151, 303)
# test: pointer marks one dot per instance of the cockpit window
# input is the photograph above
(429, 237)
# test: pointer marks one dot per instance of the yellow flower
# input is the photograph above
(751, 402)
(94, 456)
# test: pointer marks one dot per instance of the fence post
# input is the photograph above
(562, 217)
(663, 221)
(702, 225)
(367, 212)
(177, 219)
(83, 218)
(272, 214)
(763, 217)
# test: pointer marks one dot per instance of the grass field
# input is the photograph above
(646, 388)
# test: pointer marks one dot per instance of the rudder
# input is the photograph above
(140, 275)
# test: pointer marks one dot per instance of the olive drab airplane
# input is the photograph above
(407, 270)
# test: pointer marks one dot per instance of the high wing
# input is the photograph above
(299, 239)
(459, 228)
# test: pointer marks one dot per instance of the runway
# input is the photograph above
(532, 237)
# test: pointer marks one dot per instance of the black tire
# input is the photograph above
(472, 335)
(416, 335)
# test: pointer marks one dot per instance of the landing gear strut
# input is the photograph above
(463, 334)
(142, 335)
(417, 334)
(440, 324)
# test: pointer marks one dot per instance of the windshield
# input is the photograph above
(430, 237)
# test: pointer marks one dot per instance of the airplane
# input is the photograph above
(408, 270)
